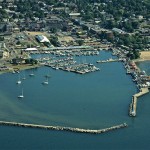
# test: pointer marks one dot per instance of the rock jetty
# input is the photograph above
(59, 128)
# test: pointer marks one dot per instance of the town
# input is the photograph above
(66, 29)
(49, 25)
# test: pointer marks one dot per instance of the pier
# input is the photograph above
(109, 60)
(59, 128)
(70, 65)
(133, 105)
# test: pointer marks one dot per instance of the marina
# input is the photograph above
(68, 64)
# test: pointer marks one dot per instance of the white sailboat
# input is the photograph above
(19, 81)
(45, 82)
(24, 77)
(21, 96)
(32, 74)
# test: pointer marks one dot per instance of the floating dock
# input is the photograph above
(109, 60)
(59, 128)
(133, 105)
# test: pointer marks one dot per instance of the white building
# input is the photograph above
(118, 30)
(30, 49)
(42, 38)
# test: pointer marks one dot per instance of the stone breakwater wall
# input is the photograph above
(59, 128)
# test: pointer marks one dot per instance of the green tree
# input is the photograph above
(1, 38)
(80, 42)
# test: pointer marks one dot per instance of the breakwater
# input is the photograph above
(133, 105)
(59, 128)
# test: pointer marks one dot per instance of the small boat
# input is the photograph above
(32, 74)
(19, 81)
(21, 96)
(45, 82)
(13, 72)
(24, 77)
(17, 71)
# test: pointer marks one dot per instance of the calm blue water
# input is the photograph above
(144, 66)
(96, 100)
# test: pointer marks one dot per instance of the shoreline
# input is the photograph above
(144, 56)
(20, 68)
(140, 60)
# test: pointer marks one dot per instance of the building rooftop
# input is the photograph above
(42, 38)
(31, 49)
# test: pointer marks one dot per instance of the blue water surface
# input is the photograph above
(95, 100)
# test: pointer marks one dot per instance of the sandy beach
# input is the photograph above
(144, 56)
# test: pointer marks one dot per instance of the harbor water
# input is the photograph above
(92, 101)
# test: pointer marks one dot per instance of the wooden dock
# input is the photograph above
(109, 60)
(133, 105)
(59, 128)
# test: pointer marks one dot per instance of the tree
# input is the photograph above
(27, 61)
(1, 38)
(53, 30)
(136, 54)
(18, 43)
(127, 41)
(133, 54)
(80, 42)
(54, 41)
(135, 24)
(31, 61)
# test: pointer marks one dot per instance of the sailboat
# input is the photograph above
(24, 77)
(45, 82)
(19, 81)
(32, 74)
(47, 75)
(21, 96)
